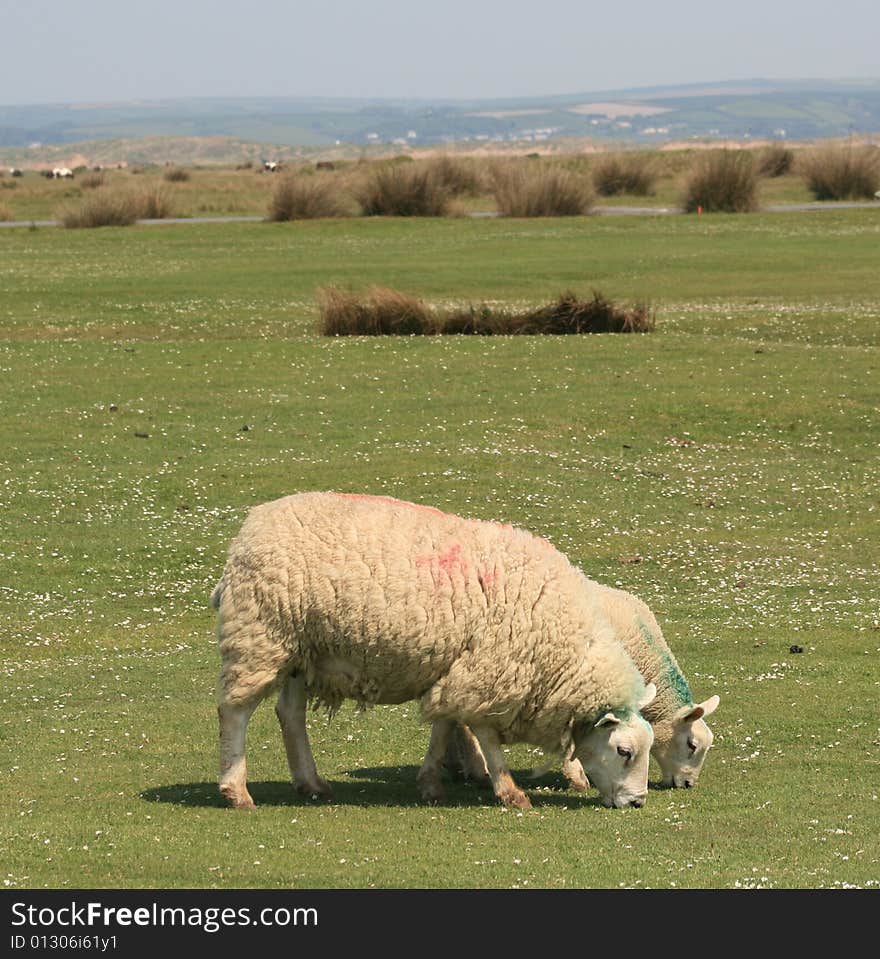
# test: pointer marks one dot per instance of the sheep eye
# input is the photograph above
(692, 746)
(623, 751)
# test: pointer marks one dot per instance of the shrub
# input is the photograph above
(176, 174)
(307, 198)
(154, 203)
(382, 311)
(775, 160)
(634, 174)
(841, 173)
(458, 176)
(402, 189)
(522, 189)
(91, 181)
(102, 208)
(722, 181)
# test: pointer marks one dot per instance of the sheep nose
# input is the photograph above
(638, 803)
(687, 784)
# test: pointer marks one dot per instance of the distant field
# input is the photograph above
(158, 381)
(225, 191)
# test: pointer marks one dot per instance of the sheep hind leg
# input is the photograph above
(502, 782)
(464, 757)
(233, 765)
(291, 712)
(429, 778)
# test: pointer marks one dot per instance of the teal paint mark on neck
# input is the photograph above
(669, 673)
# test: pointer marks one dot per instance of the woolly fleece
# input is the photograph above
(382, 601)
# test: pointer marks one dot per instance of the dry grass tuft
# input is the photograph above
(722, 181)
(841, 172)
(155, 203)
(634, 174)
(378, 312)
(91, 181)
(459, 176)
(775, 160)
(307, 198)
(526, 189)
(102, 208)
(176, 174)
(403, 189)
(383, 311)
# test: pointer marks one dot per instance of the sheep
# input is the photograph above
(681, 736)
(332, 596)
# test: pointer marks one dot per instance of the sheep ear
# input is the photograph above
(690, 714)
(648, 697)
(710, 705)
(607, 719)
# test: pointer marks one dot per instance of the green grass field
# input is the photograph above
(158, 381)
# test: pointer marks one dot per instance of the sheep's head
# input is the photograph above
(614, 752)
(681, 745)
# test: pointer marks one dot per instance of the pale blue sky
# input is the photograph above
(119, 50)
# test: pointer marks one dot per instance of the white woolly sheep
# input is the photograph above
(681, 736)
(333, 596)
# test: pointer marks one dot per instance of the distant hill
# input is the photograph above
(760, 109)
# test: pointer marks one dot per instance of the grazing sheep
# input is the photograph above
(681, 736)
(271, 166)
(333, 596)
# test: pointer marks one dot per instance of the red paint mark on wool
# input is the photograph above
(487, 577)
(445, 564)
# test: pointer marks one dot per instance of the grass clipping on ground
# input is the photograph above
(380, 311)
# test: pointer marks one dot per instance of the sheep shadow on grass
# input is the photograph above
(371, 786)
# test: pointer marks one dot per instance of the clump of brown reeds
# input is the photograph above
(155, 203)
(117, 208)
(459, 176)
(841, 172)
(383, 311)
(403, 189)
(311, 197)
(380, 311)
(535, 189)
(102, 208)
(176, 174)
(5, 212)
(633, 173)
(775, 160)
(91, 181)
(722, 181)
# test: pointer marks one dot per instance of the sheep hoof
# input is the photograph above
(317, 790)
(432, 793)
(517, 800)
(238, 800)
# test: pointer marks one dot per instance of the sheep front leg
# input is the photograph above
(291, 712)
(502, 782)
(574, 773)
(429, 778)
(234, 720)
